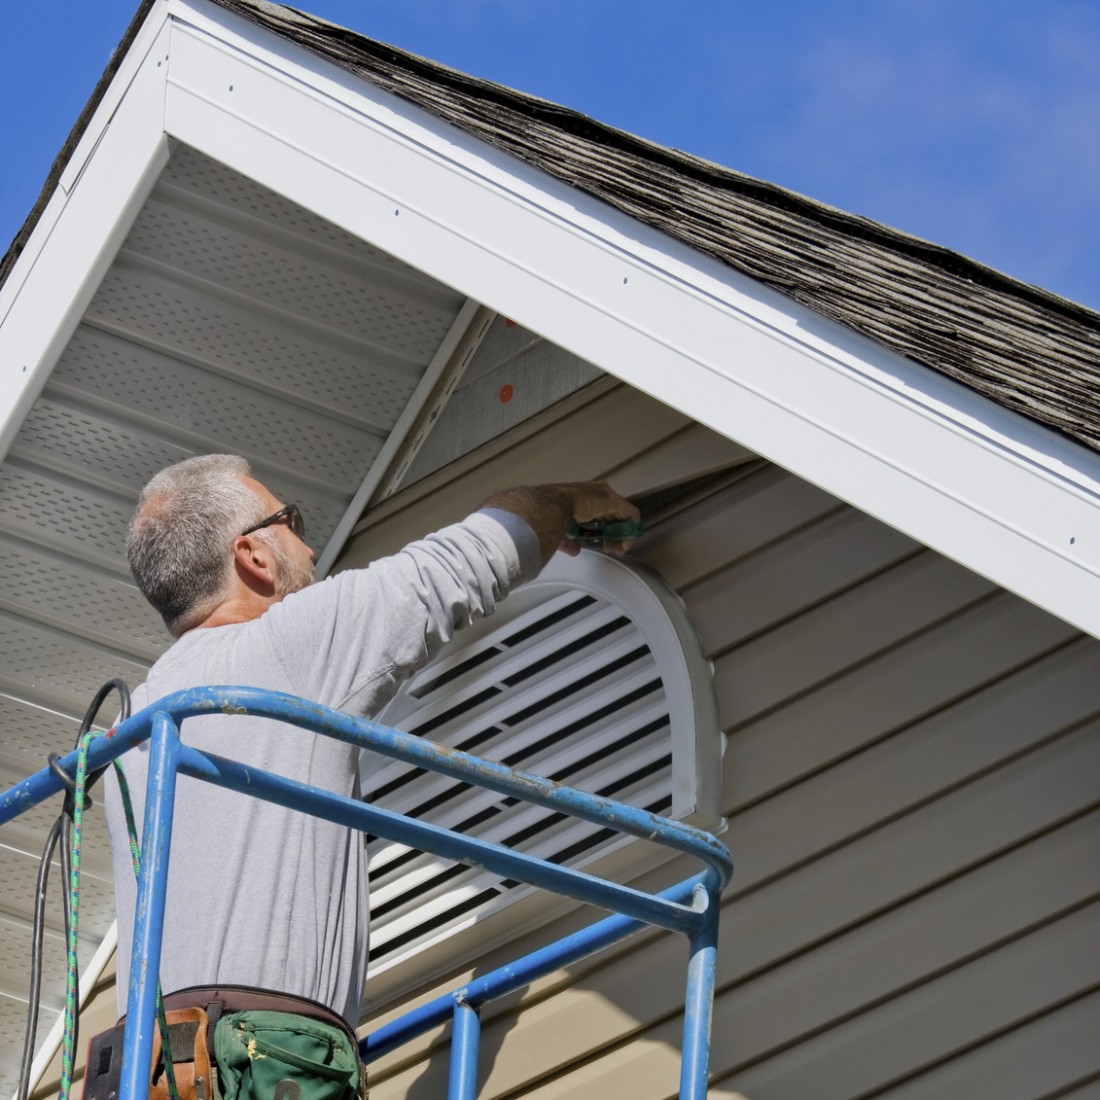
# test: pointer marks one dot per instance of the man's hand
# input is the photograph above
(550, 509)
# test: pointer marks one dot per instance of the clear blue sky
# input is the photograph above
(971, 123)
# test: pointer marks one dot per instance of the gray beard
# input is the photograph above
(290, 576)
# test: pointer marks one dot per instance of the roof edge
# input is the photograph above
(326, 39)
(57, 168)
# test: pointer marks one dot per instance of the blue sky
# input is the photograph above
(971, 123)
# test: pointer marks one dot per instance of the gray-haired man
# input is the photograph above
(260, 896)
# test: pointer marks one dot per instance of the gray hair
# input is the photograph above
(184, 524)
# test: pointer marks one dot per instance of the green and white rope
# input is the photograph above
(73, 978)
(73, 974)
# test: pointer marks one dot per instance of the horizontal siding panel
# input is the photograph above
(982, 750)
(876, 876)
(766, 506)
(831, 638)
(922, 853)
(818, 561)
(1042, 1059)
(687, 454)
(583, 449)
(1029, 975)
(913, 798)
(886, 869)
(895, 688)
(1090, 1090)
(1026, 977)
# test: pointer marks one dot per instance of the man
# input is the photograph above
(260, 896)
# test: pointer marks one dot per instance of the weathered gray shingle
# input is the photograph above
(1021, 346)
(1027, 349)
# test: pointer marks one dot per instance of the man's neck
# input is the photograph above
(238, 609)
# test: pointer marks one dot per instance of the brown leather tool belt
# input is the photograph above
(217, 1000)
(192, 1016)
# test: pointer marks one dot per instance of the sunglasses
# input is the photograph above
(290, 515)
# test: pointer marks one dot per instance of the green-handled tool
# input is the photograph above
(656, 506)
(600, 530)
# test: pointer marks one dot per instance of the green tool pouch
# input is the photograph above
(283, 1056)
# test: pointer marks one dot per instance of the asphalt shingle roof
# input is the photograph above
(1025, 348)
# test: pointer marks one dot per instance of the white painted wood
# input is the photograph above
(451, 356)
(980, 484)
(88, 979)
(82, 227)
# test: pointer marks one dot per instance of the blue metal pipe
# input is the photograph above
(141, 1000)
(44, 783)
(699, 1003)
(465, 1037)
(419, 834)
(691, 907)
(513, 976)
(459, 765)
(401, 746)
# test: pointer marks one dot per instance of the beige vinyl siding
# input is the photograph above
(913, 787)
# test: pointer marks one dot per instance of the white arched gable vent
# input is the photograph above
(590, 675)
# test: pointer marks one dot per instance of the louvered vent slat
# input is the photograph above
(563, 682)
(485, 817)
(637, 694)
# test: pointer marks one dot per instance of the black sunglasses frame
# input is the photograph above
(291, 515)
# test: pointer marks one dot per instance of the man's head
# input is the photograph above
(186, 533)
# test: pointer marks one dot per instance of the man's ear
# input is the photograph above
(254, 561)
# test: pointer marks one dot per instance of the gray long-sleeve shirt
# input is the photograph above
(263, 896)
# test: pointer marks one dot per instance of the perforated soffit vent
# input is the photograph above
(590, 676)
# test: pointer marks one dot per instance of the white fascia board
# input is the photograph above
(984, 486)
(101, 190)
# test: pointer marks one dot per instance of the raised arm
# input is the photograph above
(550, 509)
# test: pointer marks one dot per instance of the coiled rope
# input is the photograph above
(76, 803)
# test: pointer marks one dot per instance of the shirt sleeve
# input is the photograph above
(350, 641)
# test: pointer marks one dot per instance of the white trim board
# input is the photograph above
(978, 483)
(989, 488)
(100, 193)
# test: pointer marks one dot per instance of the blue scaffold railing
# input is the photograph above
(689, 908)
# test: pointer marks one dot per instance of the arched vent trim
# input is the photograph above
(580, 677)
